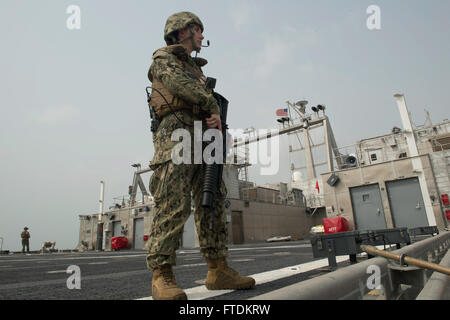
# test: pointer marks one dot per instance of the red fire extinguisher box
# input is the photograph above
(118, 243)
(335, 225)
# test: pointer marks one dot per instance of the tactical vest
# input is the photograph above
(162, 100)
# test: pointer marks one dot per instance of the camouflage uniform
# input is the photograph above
(25, 235)
(171, 184)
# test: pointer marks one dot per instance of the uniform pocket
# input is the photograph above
(158, 179)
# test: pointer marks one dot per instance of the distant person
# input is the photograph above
(25, 235)
(48, 246)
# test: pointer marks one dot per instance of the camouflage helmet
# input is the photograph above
(179, 21)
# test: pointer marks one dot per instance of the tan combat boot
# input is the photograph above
(221, 276)
(164, 286)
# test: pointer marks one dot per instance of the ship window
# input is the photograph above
(365, 197)
(373, 157)
(441, 142)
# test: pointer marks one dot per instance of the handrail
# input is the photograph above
(350, 282)
(435, 287)
(405, 259)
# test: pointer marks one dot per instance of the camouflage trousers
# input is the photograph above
(25, 243)
(171, 187)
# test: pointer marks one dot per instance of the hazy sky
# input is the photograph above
(73, 104)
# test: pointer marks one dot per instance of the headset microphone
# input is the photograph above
(207, 41)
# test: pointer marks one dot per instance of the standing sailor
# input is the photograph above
(180, 97)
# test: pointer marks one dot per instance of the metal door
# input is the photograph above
(117, 229)
(368, 207)
(406, 201)
(138, 241)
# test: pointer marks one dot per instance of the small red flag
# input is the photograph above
(317, 186)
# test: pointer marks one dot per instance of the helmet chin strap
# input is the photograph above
(194, 45)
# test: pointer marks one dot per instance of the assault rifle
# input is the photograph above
(213, 172)
(155, 121)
